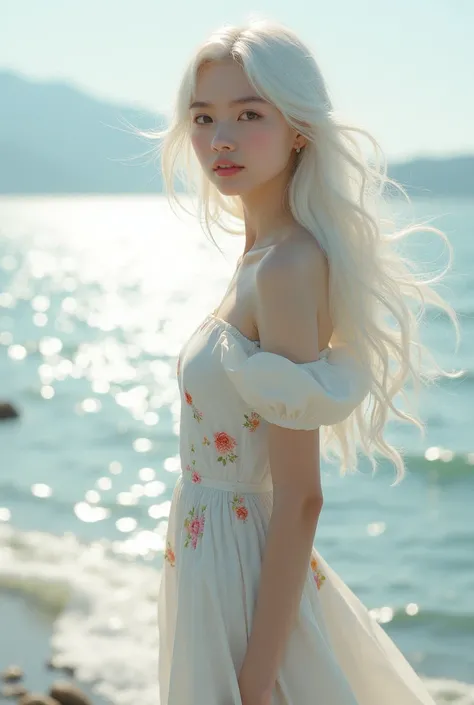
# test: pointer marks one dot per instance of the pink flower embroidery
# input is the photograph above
(240, 511)
(194, 525)
(191, 469)
(252, 422)
(224, 445)
(189, 401)
(319, 578)
(169, 555)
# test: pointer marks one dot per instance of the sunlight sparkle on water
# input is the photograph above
(5, 514)
(104, 483)
(137, 490)
(6, 300)
(92, 496)
(6, 338)
(89, 514)
(142, 445)
(91, 406)
(126, 499)
(382, 615)
(40, 320)
(41, 490)
(40, 303)
(126, 524)
(17, 352)
(159, 511)
(146, 474)
(172, 464)
(376, 528)
(47, 392)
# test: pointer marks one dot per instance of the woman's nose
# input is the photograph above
(221, 142)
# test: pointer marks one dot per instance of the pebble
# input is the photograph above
(10, 674)
(68, 694)
(7, 411)
(37, 699)
(13, 691)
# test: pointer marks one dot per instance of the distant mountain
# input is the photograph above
(54, 138)
(422, 178)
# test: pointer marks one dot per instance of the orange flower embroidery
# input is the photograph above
(189, 401)
(319, 578)
(169, 555)
(225, 444)
(252, 422)
(240, 510)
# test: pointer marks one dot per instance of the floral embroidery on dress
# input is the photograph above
(194, 475)
(206, 441)
(240, 510)
(189, 401)
(169, 555)
(252, 422)
(194, 525)
(225, 444)
(319, 578)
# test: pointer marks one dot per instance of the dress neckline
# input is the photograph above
(256, 343)
(235, 330)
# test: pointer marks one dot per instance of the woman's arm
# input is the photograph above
(287, 295)
(284, 569)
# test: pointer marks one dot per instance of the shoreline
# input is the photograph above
(26, 642)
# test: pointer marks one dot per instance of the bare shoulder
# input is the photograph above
(290, 298)
(299, 259)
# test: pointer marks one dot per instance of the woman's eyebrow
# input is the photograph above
(237, 101)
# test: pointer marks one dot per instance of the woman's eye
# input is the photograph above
(206, 119)
(197, 119)
(252, 115)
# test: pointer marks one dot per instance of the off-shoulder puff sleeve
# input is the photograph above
(294, 395)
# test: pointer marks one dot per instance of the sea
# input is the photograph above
(97, 296)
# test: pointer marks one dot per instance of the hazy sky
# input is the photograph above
(402, 68)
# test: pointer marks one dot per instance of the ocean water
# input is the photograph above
(97, 295)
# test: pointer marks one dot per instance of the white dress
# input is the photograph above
(221, 507)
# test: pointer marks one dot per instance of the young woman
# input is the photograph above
(315, 336)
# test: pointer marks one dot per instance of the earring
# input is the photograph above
(298, 150)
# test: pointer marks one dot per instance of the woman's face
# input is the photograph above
(230, 121)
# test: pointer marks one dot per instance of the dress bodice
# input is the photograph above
(231, 390)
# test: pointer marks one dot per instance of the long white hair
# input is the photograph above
(377, 298)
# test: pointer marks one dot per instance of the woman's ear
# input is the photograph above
(300, 142)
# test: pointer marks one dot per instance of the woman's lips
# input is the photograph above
(228, 170)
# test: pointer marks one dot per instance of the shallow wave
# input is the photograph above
(448, 692)
(458, 468)
(103, 607)
(434, 619)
